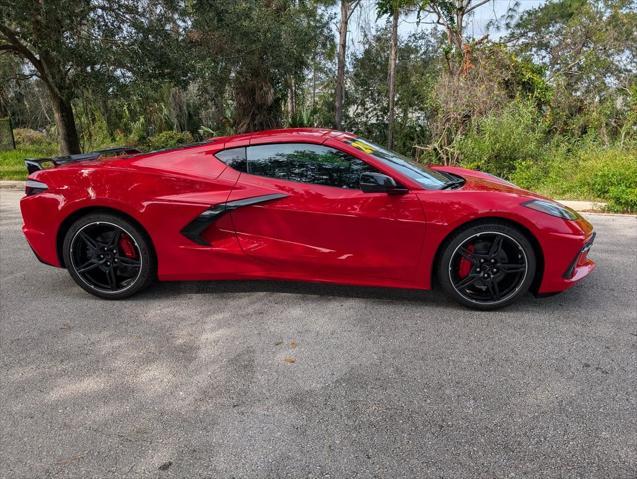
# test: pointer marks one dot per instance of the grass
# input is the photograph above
(12, 161)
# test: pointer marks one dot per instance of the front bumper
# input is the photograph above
(581, 262)
(566, 261)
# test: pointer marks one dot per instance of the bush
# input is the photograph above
(622, 199)
(27, 138)
(497, 142)
(584, 171)
(168, 139)
(614, 178)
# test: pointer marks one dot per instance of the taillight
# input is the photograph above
(33, 187)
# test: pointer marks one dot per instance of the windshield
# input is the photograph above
(430, 179)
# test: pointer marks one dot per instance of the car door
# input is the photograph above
(298, 212)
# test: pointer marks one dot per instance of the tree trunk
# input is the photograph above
(313, 82)
(65, 122)
(340, 72)
(257, 107)
(108, 118)
(393, 59)
(291, 99)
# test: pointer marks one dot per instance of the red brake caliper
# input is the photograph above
(127, 246)
(464, 267)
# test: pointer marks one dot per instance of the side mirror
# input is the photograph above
(379, 183)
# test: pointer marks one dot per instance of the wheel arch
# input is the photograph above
(537, 248)
(79, 213)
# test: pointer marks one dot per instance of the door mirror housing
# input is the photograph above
(379, 183)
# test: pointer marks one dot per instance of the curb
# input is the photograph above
(585, 206)
(11, 185)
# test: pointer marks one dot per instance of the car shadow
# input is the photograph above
(167, 289)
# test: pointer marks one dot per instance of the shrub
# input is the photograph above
(584, 171)
(622, 199)
(614, 178)
(530, 174)
(497, 142)
(168, 139)
(28, 138)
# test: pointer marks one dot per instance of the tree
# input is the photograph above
(258, 50)
(589, 50)
(393, 9)
(73, 44)
(366, 104)
(451, 15)
(347, 8)
(393, 58)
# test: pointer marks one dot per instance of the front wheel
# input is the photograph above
(108, 256)
(487, 266)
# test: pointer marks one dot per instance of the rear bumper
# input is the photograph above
(40, 259)
(40, 214)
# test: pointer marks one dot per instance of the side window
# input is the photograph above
(307, 163)
(235, 158)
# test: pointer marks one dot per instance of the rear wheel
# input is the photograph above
(487, 266)
(108, 256)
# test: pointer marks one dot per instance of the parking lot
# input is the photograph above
(274, 379)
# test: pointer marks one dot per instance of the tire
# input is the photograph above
(109, 256)
(474, 272)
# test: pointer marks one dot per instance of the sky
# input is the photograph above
(364, 20)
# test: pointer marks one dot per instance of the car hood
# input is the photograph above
(480, 181)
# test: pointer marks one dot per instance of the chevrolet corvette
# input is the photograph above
(303, 205)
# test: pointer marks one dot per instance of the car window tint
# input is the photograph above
(234, 157)
(307, 163)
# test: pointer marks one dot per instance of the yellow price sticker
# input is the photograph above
(362, 146)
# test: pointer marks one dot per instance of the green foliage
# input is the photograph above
(497, 142)
(28, 138)
(584, 170)
(257, 50)
(589, 50)
(614, 178)
(366, 102)
(12, 161)
(497, 82)
(89, 46)
(168, 139)
(622, 199)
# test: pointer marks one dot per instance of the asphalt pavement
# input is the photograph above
(275, 379)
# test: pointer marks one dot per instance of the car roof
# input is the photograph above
(283, 134)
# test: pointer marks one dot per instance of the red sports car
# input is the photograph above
(298, 204)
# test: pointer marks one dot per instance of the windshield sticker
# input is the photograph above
(361, 145)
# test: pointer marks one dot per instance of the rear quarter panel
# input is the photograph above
(162, 192)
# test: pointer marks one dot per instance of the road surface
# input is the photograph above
(265, 379)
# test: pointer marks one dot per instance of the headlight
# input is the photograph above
(552, 208)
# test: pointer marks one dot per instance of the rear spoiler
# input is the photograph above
(35, 164)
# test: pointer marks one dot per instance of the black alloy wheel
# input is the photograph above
(108, 256)
(487, 266)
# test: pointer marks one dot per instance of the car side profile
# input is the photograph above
(298, 204)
